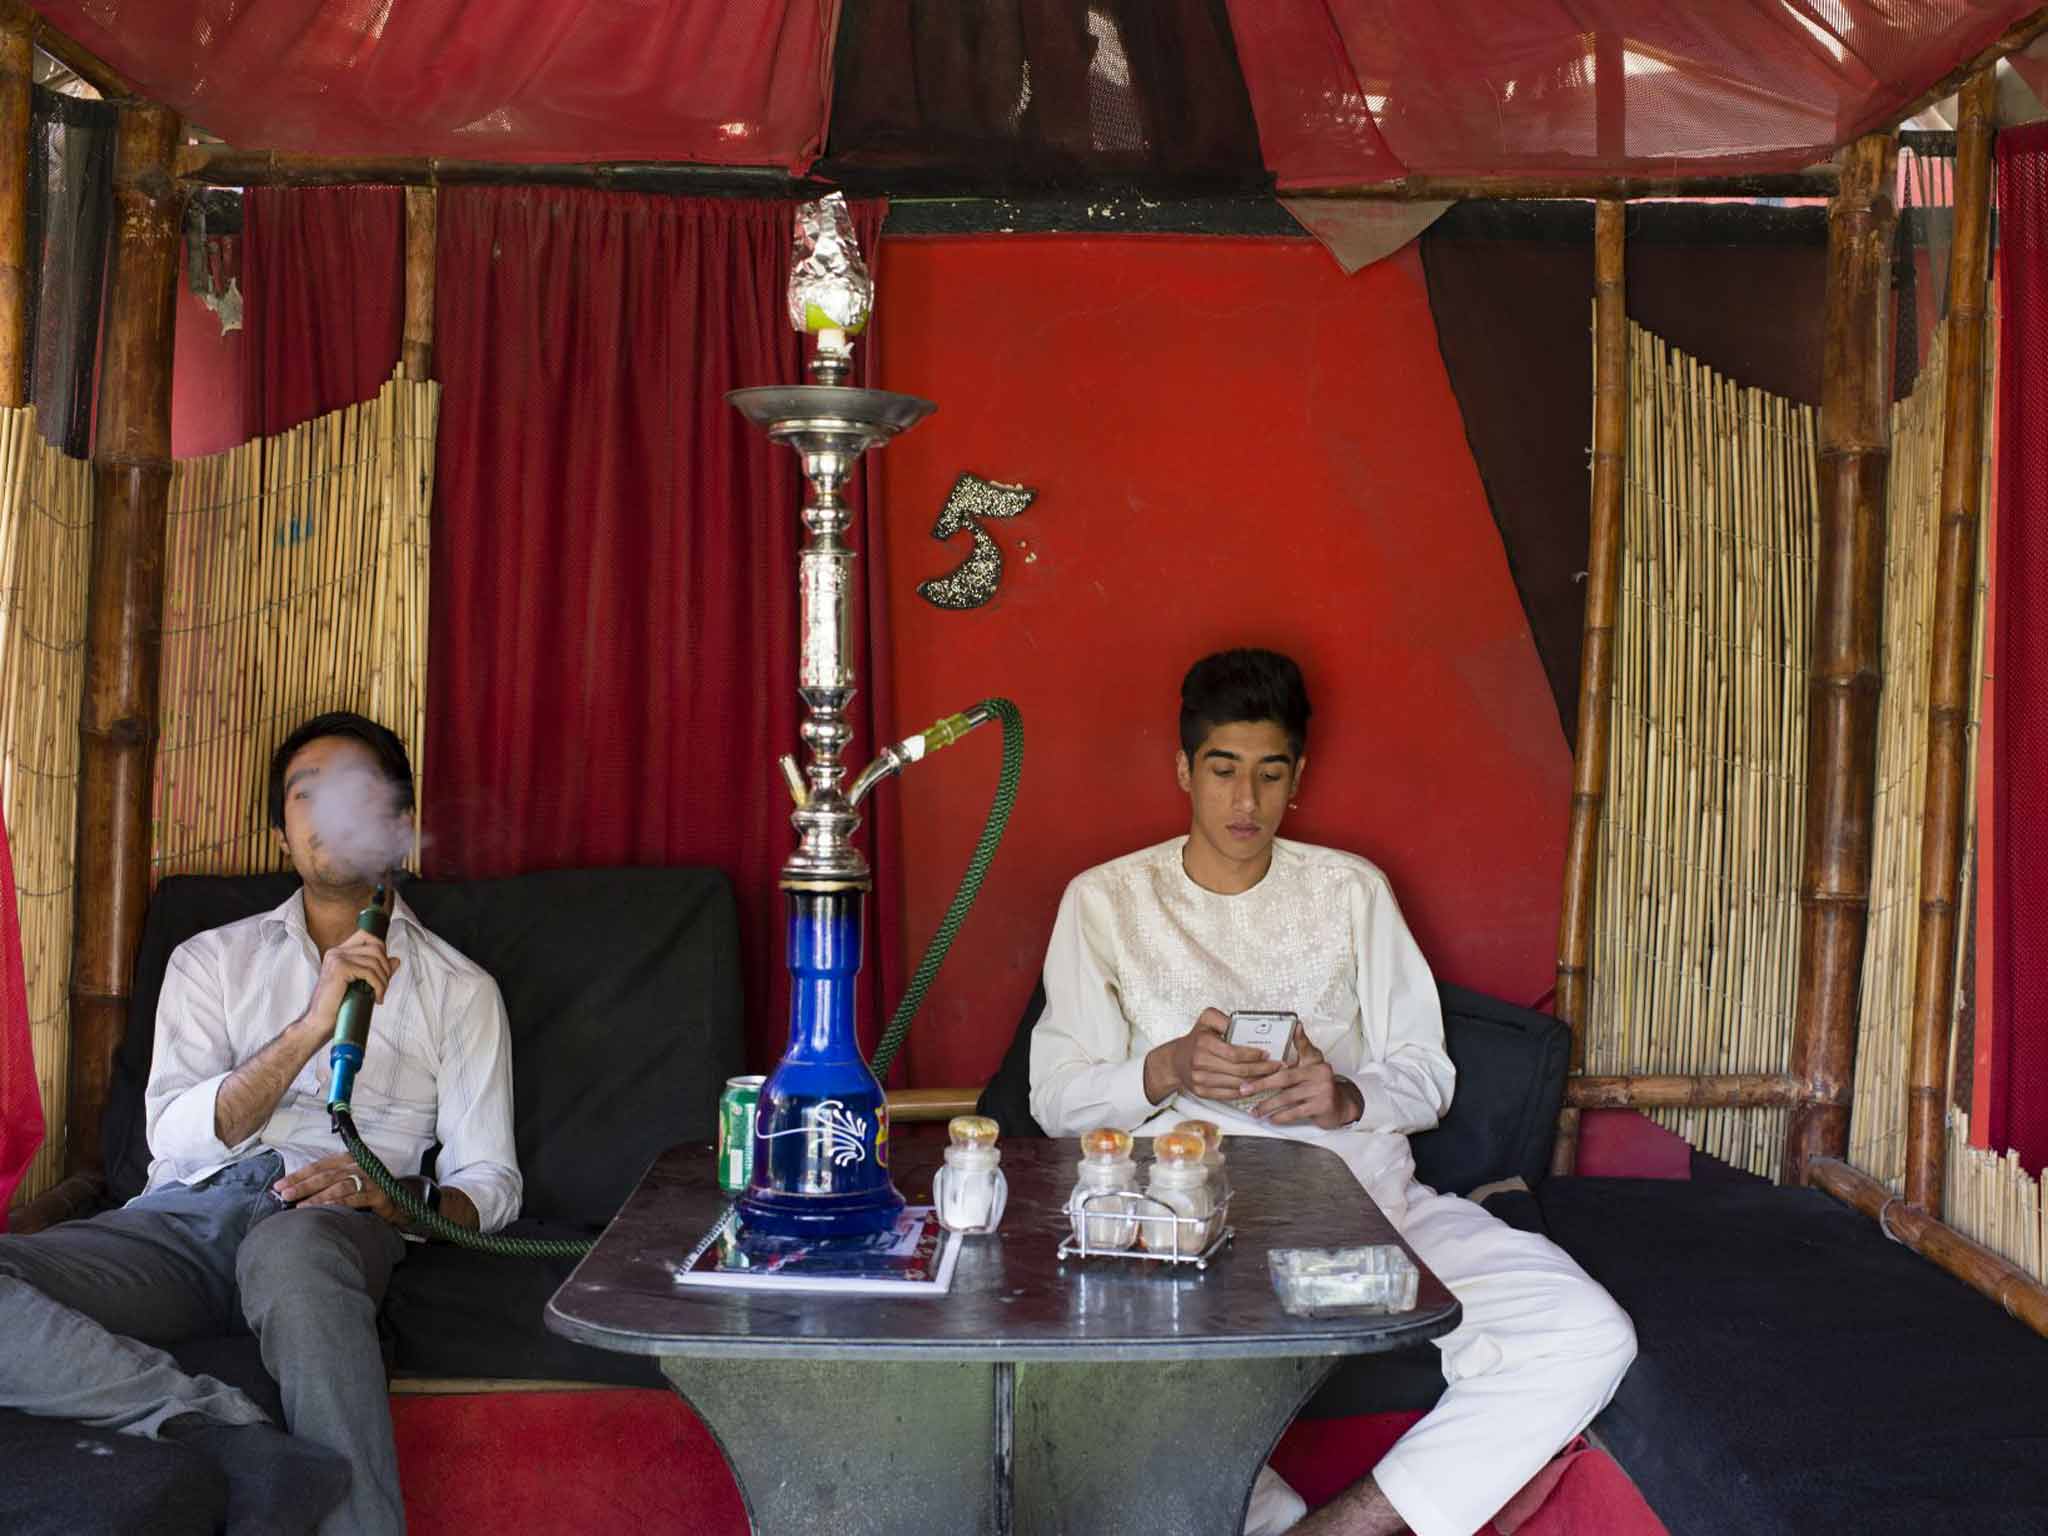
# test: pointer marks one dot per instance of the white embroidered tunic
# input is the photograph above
(437, 1067)
(1139, 950)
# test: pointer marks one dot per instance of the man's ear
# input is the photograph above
(281, 842)
(1183, 772)
(1300, 768)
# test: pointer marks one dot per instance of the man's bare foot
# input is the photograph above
(1360, 1510)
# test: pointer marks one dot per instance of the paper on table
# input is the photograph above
(915, 1260)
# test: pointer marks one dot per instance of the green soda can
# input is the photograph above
(737, 1107)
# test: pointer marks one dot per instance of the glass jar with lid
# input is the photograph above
(1105, 1181)
(1179, 1185)
(970, 1190)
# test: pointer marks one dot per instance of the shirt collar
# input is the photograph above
(291, 913)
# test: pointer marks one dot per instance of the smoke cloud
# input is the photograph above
(358, 832)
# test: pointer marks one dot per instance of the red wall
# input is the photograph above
(1233, 444)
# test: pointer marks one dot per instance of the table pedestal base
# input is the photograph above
(836, 1447)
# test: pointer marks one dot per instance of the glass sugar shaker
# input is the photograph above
(970, 1190)
(1105, 1178)
(1180, 1183)
(1219, 1178)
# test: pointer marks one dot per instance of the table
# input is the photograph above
(1038, 1396)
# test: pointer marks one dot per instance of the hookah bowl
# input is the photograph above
(821, 1134)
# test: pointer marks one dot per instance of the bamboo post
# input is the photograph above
(1950, 678)
(1596, 662)
(1845, 672)
(17, 55)
(417, 355)
(117, 723)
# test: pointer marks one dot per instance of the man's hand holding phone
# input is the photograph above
(1203, 1062)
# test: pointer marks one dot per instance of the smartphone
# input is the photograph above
(1272, 1033)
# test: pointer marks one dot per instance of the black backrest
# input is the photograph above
(622, 986)
(1511, 1067)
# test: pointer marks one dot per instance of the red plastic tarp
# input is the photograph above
(1370, 90)
(1344, 90)
(718, 82)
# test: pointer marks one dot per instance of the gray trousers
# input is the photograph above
(88, 1303)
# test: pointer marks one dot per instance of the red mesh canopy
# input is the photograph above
(1343, 90)
(1368, 90)
(721, 82)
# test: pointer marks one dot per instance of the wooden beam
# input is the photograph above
(124, 611)
(1976, 1266)
(417, 353)
(2015, 39)
(1821, 181)
(112, 85)
(1847, 663)
(17, 80)
(220, 165)
(1951, 681)
(907, 1104)
(1727, 1090)
(1596, 659)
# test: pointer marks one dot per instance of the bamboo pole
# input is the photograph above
(17, 63)
(1596, 664)
(1975, 1265)
(417, 354)
(1951, 678)
(1845, 674)
(1667, 1090)
(118, 717)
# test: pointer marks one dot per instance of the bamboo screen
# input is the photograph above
(45, 542)
(1877, 1117)
(295, 581)
(1995, 1200)
(1697, 908)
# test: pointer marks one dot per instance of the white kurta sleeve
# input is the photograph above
(474, 1116)
(1084, 1071)
(1406, 1077)
(190, 1059)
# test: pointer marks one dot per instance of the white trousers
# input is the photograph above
(1539, 1350)
(1538, 1353)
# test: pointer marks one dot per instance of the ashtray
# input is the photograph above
(1313, 1281)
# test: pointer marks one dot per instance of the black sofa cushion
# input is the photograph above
(622, 989)
(1511, 1067)
(1798, 1371)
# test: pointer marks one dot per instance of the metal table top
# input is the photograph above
(1012, 1298)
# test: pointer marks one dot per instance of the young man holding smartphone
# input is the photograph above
(1149, 957)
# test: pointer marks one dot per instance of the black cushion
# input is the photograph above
(1798, 1371)
(622, 987)
(1006, 1097)
(58, 1478)
(1511, 1067)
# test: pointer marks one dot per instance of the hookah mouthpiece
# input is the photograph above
(352, 1018)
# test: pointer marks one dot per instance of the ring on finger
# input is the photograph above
(356, 1182)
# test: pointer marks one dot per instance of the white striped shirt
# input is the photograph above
(437, 1067)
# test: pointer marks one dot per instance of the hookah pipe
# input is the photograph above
(352, 1019)
(345, 1058)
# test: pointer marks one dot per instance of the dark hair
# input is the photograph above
(1234, 686)
(384, 745)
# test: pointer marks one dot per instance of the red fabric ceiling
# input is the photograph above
(721, 82)
(1343, 90)
(1368, 90)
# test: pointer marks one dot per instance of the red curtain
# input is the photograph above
(613, 658)
(2017, 1115)
(325, 302)
(21, 1105)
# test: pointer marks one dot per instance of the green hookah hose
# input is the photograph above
(993, 827)
(992, 830)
